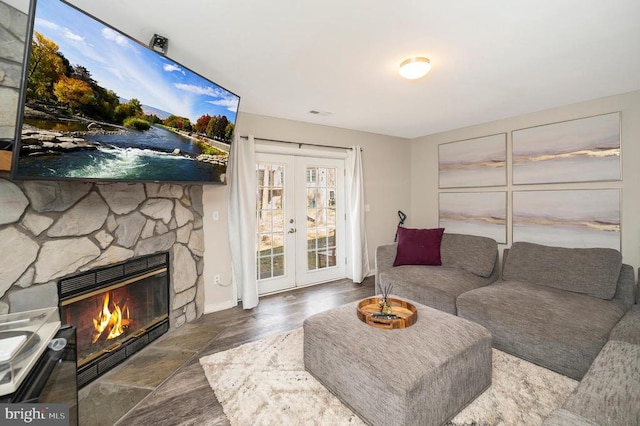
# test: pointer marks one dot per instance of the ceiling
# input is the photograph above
(490, 59)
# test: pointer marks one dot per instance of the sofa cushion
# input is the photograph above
(418, 246)
(562, 417)
(434, 286)
(557, 329)
(592, 271)
(477, 255)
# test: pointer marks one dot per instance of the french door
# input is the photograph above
(301, 221)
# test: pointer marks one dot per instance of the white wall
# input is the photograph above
(217, 254)
(21, 5)
(424, 163)
(386, 175)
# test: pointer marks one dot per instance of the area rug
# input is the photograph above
(264, 383)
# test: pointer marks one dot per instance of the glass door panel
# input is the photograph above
(321, 218)
(324, 224)
(272, 240)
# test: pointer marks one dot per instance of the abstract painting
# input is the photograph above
(583, 150)
(475, 213)
(568, 218)
(473, 162)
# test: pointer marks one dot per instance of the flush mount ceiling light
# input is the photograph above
(415, 67)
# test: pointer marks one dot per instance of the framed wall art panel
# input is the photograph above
(474, 213)
(582, 150)
(473, 162)
(568, 218)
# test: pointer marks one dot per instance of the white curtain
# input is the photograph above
(241, 175)
(359, 261)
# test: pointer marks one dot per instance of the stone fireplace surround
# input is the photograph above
(51, 229)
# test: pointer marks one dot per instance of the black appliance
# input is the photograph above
(53, 379)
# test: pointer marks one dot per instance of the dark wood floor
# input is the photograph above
(165, 385)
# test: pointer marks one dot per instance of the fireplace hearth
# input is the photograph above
(117, 310)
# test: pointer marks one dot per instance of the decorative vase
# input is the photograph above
(385, 307)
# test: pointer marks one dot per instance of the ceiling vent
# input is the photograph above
(322, 113)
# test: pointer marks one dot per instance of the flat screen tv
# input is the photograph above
(98, 105)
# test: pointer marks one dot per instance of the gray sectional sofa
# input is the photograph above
(468, 262)
(554, 306)
(569, 310)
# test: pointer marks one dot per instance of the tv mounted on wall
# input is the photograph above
(98, 105)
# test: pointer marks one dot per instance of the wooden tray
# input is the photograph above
(5, 161)
(406, 312)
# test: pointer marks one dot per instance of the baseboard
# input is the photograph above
(215, 307)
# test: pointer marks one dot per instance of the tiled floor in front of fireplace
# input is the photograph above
(164, 383)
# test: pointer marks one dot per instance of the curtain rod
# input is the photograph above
(299, 143)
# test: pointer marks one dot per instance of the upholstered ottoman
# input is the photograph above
(420, 375)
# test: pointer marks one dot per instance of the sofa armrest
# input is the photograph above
(385, 256)
(628, 329)
(625, 289)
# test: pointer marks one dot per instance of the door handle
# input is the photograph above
(291, 231)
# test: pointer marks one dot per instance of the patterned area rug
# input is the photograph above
(264, 382)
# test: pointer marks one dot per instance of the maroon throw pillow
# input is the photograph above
(418, 246)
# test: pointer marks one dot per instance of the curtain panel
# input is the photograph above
(359, 252)
(241, 175)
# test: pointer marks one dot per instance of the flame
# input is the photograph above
(109, 321)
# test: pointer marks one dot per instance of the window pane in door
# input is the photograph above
(331, 178)
(321, 217)
(331, 245)
(270, 220)
(277, 218)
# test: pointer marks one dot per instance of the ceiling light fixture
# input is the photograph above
(415, 67)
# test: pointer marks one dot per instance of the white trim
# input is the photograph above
(215, 307)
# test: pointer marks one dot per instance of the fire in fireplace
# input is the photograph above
(110, 322)
(117, 310)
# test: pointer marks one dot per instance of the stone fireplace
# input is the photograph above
(50, 230)
(117, 310)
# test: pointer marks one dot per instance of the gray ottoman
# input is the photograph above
(420, 375)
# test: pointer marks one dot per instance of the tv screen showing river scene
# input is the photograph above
(101, 106)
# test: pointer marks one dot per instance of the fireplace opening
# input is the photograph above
(117, 310)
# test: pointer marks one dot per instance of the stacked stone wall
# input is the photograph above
(49, 230)
(13, 29)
